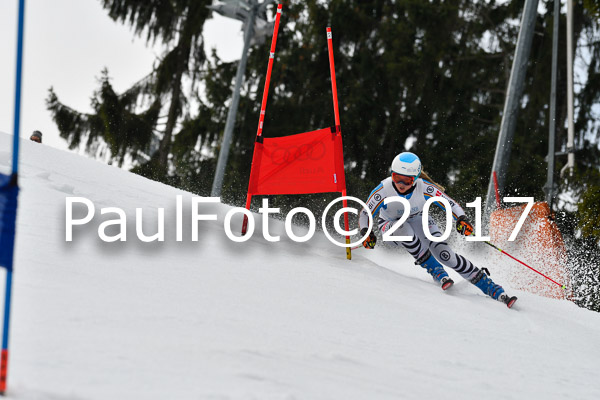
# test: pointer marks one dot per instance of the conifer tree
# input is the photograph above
(177, 24)
(429, 77)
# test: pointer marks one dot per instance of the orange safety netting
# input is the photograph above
(539, 244)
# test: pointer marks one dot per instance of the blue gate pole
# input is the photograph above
(15, 170)
(18, 79)
(4, 361)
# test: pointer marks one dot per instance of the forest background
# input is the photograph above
(424, 76)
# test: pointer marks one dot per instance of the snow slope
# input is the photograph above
(215, 319)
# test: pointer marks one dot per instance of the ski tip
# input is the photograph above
(511, 302)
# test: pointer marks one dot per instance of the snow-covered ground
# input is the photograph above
(215, 319)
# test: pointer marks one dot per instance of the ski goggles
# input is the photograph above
(403, 179)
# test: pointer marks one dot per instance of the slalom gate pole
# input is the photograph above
(336, 110)
(338, 128)
(263, 106)
(4, 356)
(519, 261)
(15, 171)
(245, 221)
(498, 205)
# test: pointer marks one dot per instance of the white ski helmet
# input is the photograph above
(407, 163)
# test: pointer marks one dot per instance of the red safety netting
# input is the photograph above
(539, 243)
(310, 162)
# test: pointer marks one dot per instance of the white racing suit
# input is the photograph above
(420, 247)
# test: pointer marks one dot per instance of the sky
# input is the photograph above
(67, 44)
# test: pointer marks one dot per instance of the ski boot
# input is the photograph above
(487, 286)
(435, 269)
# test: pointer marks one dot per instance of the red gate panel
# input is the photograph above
(310, 162)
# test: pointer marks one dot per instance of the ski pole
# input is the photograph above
(533, 269)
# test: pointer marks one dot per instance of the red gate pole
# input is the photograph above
(263, 105)
(338, 129)
(336, 110)
(498, 205)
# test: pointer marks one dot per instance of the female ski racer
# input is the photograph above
(405, 181)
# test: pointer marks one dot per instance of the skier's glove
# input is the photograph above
(463, 226)
(370, 241)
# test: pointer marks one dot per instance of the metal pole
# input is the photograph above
(549, 188)
(513, 96)
(231, 114)
(571, 130)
